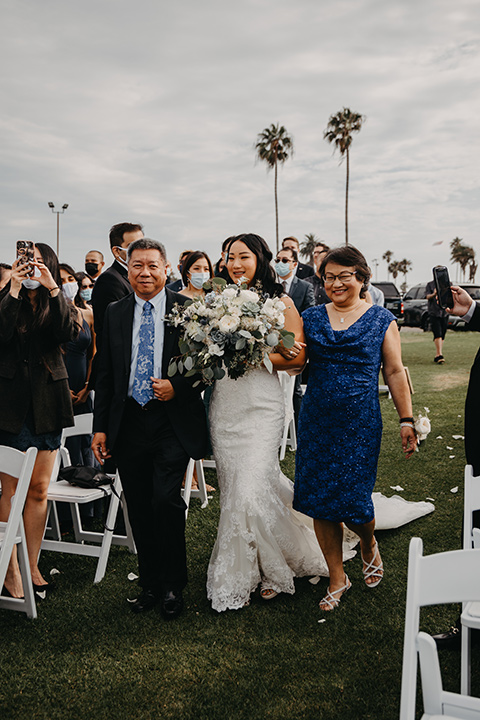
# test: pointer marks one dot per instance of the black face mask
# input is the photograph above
(91, 268)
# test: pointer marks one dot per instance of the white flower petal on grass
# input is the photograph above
(451, 457)
(132, 576)
(314, 580)
(323, 620)
(449, 448)
(432, 499)
(398, 488)
(458, 437)
(439, 437)
(454, 490)
(54, 571)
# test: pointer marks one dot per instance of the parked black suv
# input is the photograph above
(393, 299)
(415, 306)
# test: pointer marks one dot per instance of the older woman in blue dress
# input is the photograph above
(340, 424)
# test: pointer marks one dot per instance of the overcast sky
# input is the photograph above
(148, 111)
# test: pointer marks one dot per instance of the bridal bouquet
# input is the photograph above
(230, 330)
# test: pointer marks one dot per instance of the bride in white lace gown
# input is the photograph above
(261, 539)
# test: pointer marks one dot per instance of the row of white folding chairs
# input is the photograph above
(450, 577)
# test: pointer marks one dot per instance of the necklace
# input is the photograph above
(342, 318)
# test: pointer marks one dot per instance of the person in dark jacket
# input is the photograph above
(303, 271)
(35, 403)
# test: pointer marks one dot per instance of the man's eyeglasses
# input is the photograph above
(344, 277)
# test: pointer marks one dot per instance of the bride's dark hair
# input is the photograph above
(264, 274)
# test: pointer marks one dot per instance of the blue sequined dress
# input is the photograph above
(340, 424)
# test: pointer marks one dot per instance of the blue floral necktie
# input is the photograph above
(142, 384)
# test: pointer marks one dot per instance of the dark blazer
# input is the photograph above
(112, 285)
(186, 411)
(304, 271)
(32, 370)
(301, 293)
(472, 405)
(175, 286)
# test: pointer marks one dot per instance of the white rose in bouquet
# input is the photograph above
(228, 323)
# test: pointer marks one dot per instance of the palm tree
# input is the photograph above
(274, 146)
(308, 246)
(462, 254)
(404, 266)
(387, 256)
(395, 267)
(339, 132)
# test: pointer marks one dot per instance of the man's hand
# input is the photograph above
(461, 301)
(163, 389)
(99, 447)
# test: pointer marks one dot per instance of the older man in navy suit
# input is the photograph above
(151, 424)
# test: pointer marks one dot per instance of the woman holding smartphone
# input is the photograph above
(35, 404)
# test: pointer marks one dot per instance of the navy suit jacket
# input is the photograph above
(301, 293)
(186, 411)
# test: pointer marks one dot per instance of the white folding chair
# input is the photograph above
(12, 533)
(470, 617)
(62, 491)
(448, 577)
(200, 491)
(289, 436)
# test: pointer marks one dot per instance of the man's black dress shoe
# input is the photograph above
(146, 601)
(172, 604)
(449, 640)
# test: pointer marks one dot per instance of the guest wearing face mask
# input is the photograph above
(301, 292)
(83, 298)
(113, 284)
(94, 263)
(35, 403)
(196, 270)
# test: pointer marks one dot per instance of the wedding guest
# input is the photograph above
(301, 293)
(438, 320)
(302, 271)
(35, 403)
(83, 298)
(5, 274)
(196, 270)
(79, 354)
(94, 263)
(319, 252)
(178, 285)
(340, 424)
(113, 284)
(220, 269)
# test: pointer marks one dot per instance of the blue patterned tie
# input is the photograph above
(142, 384)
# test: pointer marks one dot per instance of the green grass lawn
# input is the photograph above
(88, 656)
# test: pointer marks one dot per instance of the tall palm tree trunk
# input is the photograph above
(346, 197)
(276, 207)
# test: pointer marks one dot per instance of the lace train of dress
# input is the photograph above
(260, 538)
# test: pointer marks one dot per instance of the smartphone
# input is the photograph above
(26, 251)
(442, 283)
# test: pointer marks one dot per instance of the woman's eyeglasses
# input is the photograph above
(344, 277)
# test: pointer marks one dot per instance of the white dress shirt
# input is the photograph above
(158, 312)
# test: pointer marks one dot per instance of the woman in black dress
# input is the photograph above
(35, 404)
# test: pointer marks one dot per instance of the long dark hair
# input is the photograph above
(264, 274)
(78, 299)
(38, 319)
(190, 260)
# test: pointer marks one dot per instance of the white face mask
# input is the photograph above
(121, 260)
(282, 268)
(31, 284)
(70, 290)
(197, 279)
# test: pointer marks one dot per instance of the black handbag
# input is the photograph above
(84, 476)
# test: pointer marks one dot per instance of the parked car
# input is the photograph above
(393, 299)
(415, 306)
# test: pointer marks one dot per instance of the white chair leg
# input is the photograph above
(202, 487)
(23, 562)
(465, 661)
(187, 490)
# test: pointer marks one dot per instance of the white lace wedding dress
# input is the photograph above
(260, 539)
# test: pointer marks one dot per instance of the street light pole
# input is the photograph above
(58, 213)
